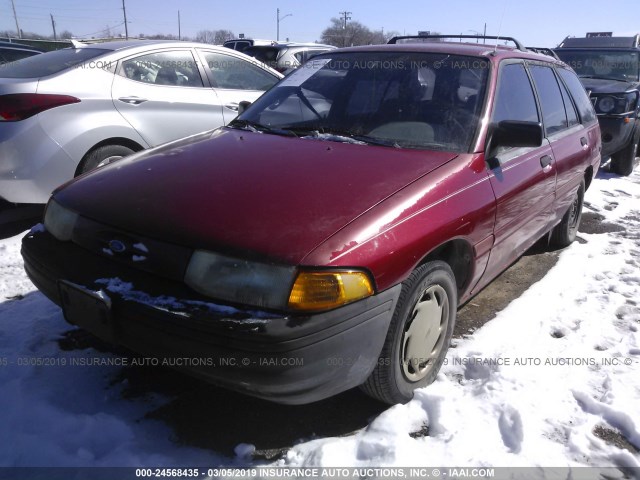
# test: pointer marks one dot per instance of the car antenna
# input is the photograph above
(504, 10)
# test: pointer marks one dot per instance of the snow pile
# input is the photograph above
(532, 386)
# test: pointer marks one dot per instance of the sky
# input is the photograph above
(536, 23)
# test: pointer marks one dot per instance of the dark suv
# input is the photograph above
(326, 237)
(609, 69)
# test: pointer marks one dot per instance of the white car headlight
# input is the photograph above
(240, 281)
(59, 221)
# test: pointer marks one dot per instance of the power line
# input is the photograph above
(345, 16)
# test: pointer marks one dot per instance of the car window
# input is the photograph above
(53, 62)
(235, 73)
(572, 114)
(174, 68)
(554, 116)
(616, 65)
(406, 99)
(514, 97)
(579, 94)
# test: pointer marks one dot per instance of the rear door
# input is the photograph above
(164, 96)
(523, 179)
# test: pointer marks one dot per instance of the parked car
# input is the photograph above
(609, 68)
(285, 57)
(10, 52)
(241, 44)
(325, 238)
(71, 110)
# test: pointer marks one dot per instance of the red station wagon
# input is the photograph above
(325, 238)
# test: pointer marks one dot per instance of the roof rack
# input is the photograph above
(544, 51)
(518, 45)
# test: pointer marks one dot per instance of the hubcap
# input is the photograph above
(425, 332)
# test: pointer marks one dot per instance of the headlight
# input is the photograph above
(239, 281)
(59, 221)
(606, 104)
(326, 290)
(274, 286)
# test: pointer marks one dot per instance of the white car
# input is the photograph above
(66, 112)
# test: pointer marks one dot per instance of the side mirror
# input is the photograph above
(515, 133)
(242, 106)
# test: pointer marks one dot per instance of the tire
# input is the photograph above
(103, 155)
(623, 161)
(566, 231)
(419, 335)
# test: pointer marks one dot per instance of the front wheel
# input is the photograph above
(418, 336)
(566, 231)
(101, 156)
(623, 162)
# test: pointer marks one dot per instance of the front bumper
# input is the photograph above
(616, 133)
(286, 358)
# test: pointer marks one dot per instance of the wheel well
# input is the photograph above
(458, 254)
(588, 176)
(125, 142)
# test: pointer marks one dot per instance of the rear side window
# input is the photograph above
(572, 115)
(577, 91)
(53, 62)
(235, 73)
(514, 97)
(553, 113)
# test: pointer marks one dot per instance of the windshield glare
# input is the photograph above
(613, 65)
(408, 100)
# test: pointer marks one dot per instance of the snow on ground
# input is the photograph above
(527, 389)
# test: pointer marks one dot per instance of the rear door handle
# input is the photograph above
(583, 142)
(545, 161)
(232, 106)
(132, 100)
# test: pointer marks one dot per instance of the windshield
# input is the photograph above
(398, 99)
(613, 65)
(50, 62)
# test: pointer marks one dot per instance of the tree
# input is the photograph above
(216, 37)
(354, 33)
(66, 35)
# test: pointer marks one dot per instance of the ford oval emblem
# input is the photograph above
(117, 246)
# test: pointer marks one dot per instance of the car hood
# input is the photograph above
(601, 85)
(246, 194)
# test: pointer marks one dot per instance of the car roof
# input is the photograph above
(488, 50)
(133, 44)
(601, 42)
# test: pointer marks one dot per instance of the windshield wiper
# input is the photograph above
(602, 77)
(256, 127)
(318, 131)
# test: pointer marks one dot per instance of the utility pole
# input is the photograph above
(16, 18)
(345, 17)
(179, 34)
(278, 18)
(126, 28)
(53, 24)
